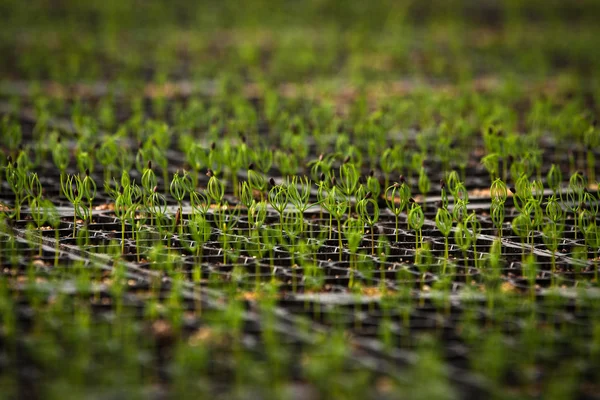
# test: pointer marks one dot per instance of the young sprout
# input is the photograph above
(157, 147)
(84, 161)
(257, 181)
(17, 179)
(424, 184)
(33, 186)
(226, 219)
(39, 216)
(537, 191)
(575, 193)
(278, 199)
(11, 132)
(459, 194)
(197, 158)
(552, 232)
(215, 189)
(498, 191)
(452, 183)
(269, 241)
(321, 165)
(199, 202)
(493, 274)
(335, 204)
(60, 155)
(579, 255)
(292, 225)
(490, 162)
(234, 158)
(387, 164)
(70, 189)
(521, 192)
(257, 213)
(157, 209)
(348, 182)
(497, 214)
(52, 217)
(199, 229)
(416, 219)
(149, 181)
(416, 163)
(554, 211)
(534, 211)
(245, 194)
(592, 238)
(423, 261)
(443, 194)
(180, 186)
(591, 140)
(264, 160)
(530, 270)
(368, 210)
(475, 226)
(534, 157)
(88, 188)
(383, 252)
(521, 225)
(373, 185)
(443, 221)
(460, 211)
(123, 208)
(322, 189)
(463, 238)
(300, 198)
(287, 162)
(353, 232)
(397, 198)
(554, 178)
(587, 212)
(107, 155)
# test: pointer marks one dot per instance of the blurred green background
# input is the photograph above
(291, 41)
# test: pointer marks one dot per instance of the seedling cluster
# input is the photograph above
(259, 236)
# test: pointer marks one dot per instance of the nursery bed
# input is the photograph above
(384, 293)
(313, 202)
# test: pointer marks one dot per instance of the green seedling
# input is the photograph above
(257, 181)
(87, 186)
(347, 183)
(552, 233)
(522, 227)
(416, 219)
(353, 232)
(397, 198)
(463, 238)
(278, 199)
(70, 187)
(387, 163)
(17, 179)
(368, 210)
(443, 221)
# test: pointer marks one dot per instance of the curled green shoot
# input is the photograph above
(463, 238)
(278, 199)
(397, 198)
(443, 221)
(368, 210)
(416, 219)
(88, 187)
(70, 189)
